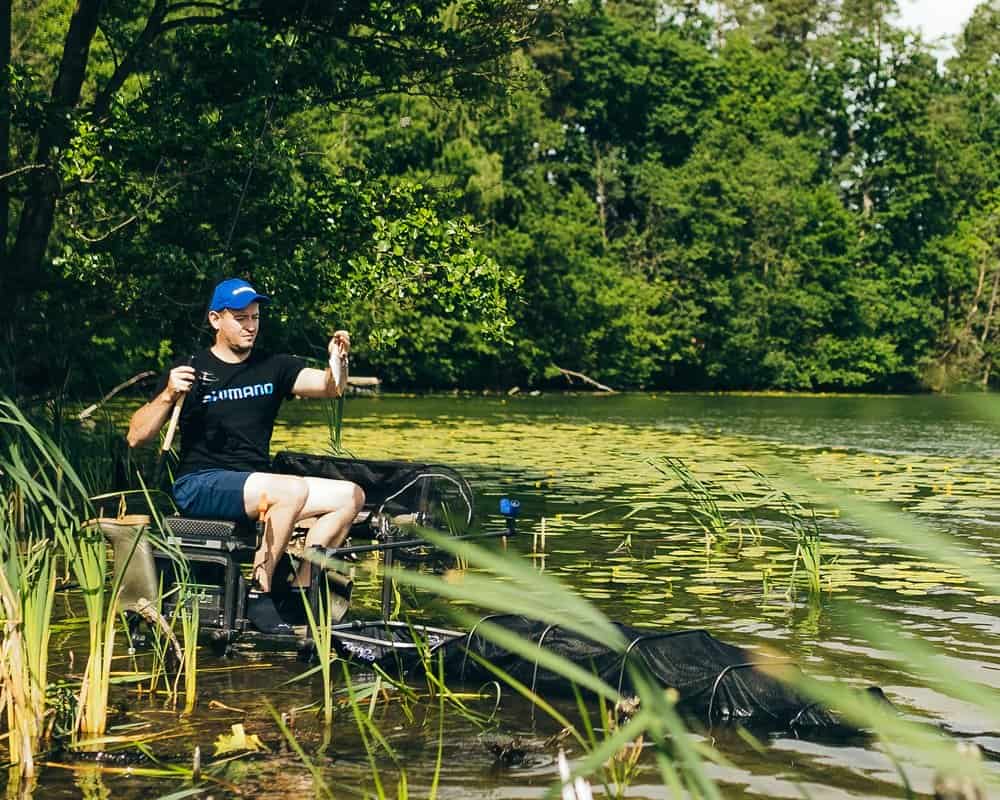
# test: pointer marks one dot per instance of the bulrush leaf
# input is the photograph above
(515, 586)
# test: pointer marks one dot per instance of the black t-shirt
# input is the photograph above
(227, 420)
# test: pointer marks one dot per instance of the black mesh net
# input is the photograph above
(716, 682)
(402, 496)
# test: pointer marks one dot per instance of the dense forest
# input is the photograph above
(790, 194)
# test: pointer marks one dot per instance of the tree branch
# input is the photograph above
(19, 170)
(216, 6)
(219, 19)
(129, 64)
(120, 387)
(570, 374)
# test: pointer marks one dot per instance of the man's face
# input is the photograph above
(236, 329)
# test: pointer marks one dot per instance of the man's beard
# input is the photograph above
(240, 349)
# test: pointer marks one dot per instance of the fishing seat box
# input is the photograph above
(212, 550)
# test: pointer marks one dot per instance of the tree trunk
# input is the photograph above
(38, 214)
(992, 307)
(602, 195)
(6, 11)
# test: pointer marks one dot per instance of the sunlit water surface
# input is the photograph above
(622, 534)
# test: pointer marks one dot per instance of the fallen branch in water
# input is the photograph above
(120, 387)
(570, 374)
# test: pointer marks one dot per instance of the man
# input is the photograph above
(224, 469)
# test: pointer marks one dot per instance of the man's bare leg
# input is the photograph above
(285, 496)
(336, 503)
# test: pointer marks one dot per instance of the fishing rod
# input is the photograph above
(168, 439)
(398, 544)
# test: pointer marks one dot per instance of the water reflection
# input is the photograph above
(622, 534)
(582, 464)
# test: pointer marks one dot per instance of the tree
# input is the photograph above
(115, 142)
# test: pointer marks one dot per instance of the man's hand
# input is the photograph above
(180, 382)
(329, 382)
(340, 345)
(148, 419)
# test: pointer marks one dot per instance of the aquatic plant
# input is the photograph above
(622, 767)
(704, 508)
(706, 499)
(805, 529)
(27, 589)
(512, 585)
(320, 622)
(50, 507)
(371, 737)
(320, 786)
(42, 497)
(160, 642)
(87, 553)
(190, 608)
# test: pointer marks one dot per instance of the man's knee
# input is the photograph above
(359, 498)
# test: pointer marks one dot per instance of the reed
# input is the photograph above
(371, 737)
(160, 644)
(805, 528)
(621, 769)
(190, 614)
(41, 498)
(511, 584)
(320, 624)
(320, 786)
(87, 553)
(704, 507)
(54, 505)
(27, 589)
(706, 502)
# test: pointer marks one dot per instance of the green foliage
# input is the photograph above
(190, 156)
(787, 195)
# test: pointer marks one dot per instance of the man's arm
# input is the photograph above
(316, 383)
(148, 419)
(329, 382)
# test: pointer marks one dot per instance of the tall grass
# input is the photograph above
(45, 505)
(706, 501)
(808, 539)
(504, 582)
(27, 589)
(507, 583)
(190, 614)
(320, 624)
(704, 507)
(87, 553)
(40, 496)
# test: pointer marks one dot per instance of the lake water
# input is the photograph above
(620, 530)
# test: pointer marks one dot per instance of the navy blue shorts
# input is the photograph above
(212, 493)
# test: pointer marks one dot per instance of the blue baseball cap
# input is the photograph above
(236, 294)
